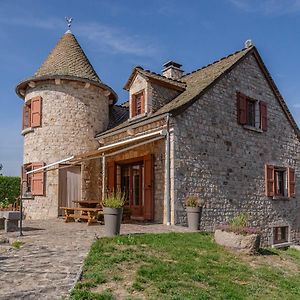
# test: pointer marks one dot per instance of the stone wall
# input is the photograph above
(161, 95)
(71, 116)
(223, 163)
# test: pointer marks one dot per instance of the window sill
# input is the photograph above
(27, 130)
(284, 198)
(282, 245)
(253, 128)
(138, 117)
(27, 197)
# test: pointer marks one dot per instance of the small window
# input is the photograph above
(280, 234)
(251, 104)
(137, 104)
(279, 181)
(33, 183)
(251, 112)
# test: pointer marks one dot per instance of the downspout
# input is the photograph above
(168, 179)
(103, 176)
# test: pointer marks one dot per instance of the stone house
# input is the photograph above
(222, 132)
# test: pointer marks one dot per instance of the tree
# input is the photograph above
(1, 167)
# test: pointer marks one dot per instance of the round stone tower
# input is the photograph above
(65, 105)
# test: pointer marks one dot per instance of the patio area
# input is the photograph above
(49, 262)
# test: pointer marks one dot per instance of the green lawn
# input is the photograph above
(184, 266)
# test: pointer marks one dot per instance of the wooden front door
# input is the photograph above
(132, 178)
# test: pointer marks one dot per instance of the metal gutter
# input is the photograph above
(168, 178)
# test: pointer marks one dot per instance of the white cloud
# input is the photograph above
(104, 38)
(268, 7)
(115, 40)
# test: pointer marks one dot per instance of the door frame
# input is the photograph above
(148, 187)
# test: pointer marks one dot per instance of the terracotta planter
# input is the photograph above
(248, 244)
(112, 220)
(193, 216)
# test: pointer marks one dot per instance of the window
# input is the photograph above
(33, 184)
(137, 104)
(250, 120)
(280, 235)
(251, 112)
(279, 181)
(32, 113)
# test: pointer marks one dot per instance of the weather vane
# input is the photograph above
(69, 21)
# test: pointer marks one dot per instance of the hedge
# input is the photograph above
(9, 188)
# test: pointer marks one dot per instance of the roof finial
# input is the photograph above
(69, 22)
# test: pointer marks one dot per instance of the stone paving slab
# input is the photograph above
(47, 265)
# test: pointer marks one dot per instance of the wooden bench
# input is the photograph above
(82, 213)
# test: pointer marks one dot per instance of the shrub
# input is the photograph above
(194, 201)
(114, 200)
(9, 189)
(239, 225)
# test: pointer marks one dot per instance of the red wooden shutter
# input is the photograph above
(263, 115)
(37, 180)
(133, 106)
(36, 111)
(143, 102)
(148, 187)
(242, 108)
(269, 180)
(111, 176)
(26, 117)
(291, 182)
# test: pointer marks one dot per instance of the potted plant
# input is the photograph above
(193, 209)
(238, 235)
(112, 210)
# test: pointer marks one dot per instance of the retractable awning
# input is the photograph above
(107, 150)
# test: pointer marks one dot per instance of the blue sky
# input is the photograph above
(117, 35)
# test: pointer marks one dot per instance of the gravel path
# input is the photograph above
(48, 263)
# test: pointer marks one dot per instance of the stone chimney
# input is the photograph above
(172, 70)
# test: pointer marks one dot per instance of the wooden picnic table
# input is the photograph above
(88, 203)
(82, 213)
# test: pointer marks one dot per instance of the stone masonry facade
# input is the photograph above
(223, 163)
(71, 116)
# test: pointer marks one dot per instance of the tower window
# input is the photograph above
(32, 113)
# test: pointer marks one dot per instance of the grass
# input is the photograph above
(184, 266)
(17, 244)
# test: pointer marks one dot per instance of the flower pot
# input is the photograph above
(248, 244)
(112, 220)
(193, 216)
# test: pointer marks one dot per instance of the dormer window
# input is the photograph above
(138, 104)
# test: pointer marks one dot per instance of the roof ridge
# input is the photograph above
(157, 74)
(216, 61)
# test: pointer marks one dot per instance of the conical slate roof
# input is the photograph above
(67, 59)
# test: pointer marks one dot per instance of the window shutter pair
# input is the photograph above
(37, 179)
(242, 111)
(134, 104)
(32, 113)
(270, 181)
